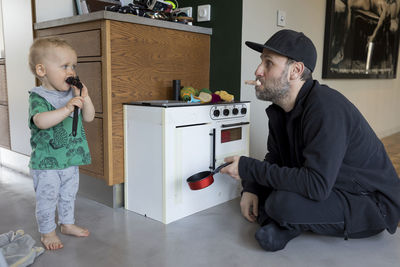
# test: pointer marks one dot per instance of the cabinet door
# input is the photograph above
(90, 74)
(86, 43)
(194, 148)
(4, 127)
(94, 133)
(193, 154)
(3, 85)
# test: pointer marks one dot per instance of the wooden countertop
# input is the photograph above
(120, 17)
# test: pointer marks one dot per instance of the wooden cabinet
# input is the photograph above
(86, 43)
(94, 132)
(90, 73)
(3, 83)
(120, 62)
(4, 129)
(4, 121)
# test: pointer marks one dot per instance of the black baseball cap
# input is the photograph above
(292, 44)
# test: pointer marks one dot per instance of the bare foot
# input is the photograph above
(51, 241)
(72, 229)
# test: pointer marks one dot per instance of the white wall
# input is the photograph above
(18, 36)
(378, 100)
(17, 26)
(54, 9)
(1, 33)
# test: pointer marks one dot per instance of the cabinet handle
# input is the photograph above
(212, 167)
(234, 124)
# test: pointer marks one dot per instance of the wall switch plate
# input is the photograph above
(281, 18)
(204, 13)
(187, 10)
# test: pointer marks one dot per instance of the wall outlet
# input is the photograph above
(187, 10)
(204, 13)
(281, 18)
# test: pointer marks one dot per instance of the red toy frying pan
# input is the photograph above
(201, 180)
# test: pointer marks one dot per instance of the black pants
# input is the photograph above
(293, 211)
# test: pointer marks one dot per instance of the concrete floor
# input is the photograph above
(215, 237)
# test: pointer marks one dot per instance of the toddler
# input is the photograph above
(56, 153)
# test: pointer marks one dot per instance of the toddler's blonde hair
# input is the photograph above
(39, 47)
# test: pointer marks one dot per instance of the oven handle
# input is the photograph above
(234, 124)
(212, 167)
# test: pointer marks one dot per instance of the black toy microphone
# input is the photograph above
(76, 82)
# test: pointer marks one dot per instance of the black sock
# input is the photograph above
(271, 237)
(263, 219)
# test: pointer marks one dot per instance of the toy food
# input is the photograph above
(205, 90)
(258, 83)
(225, 96)
(186, 92)
(205, 97)
(194, 99)
(215, 98)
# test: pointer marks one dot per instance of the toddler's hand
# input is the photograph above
(84, 93)
(76, 101)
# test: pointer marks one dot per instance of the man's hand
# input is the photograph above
(249, 201)
(249, 206)
(233, 168)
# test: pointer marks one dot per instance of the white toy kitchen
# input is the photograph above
(167, 141)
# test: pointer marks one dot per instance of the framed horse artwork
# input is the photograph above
(361, 39)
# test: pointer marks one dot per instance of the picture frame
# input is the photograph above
(362, 43)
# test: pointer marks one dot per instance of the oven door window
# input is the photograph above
(232, 134)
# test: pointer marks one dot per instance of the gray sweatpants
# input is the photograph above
(55, 188)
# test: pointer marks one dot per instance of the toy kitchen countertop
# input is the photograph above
(178, 103)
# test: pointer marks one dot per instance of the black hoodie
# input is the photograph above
(325, 144)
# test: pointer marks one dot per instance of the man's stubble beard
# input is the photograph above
(277, 90)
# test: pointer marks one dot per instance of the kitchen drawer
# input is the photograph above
(94, 134)
(86, 43)
(90, 74)
(4, 129)
(3, 85)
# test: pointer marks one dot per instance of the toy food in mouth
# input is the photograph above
(258, 83)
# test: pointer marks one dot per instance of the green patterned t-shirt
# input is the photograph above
(56, 148)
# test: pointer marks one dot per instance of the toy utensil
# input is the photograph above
(201, 180)
(76, 82)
